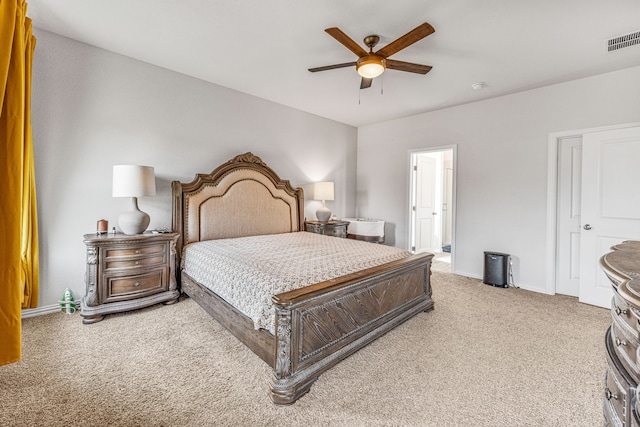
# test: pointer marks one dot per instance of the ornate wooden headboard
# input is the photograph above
(242, 197)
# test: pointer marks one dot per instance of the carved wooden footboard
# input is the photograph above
(320, 325)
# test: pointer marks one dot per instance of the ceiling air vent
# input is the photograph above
(620, 42)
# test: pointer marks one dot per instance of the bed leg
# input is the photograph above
(286, 392)
(287, 386)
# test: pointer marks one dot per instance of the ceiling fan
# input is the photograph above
(371, 64)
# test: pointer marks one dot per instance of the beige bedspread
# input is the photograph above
(247, 271)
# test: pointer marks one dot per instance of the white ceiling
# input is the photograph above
(264, 47)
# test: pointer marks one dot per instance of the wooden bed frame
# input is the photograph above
(317, 326)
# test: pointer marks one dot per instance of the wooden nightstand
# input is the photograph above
(126, 272)
(329, 228)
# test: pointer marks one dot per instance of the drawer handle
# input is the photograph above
(620, 342)
(137, 284)
(137, 262)
(609, 395)
(137, 251)
(620, 311)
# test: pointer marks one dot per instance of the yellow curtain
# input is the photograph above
(18, 226)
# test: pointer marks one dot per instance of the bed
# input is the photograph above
(315, 326)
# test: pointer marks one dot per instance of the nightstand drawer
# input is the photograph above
(336, 232)
(141, 250)
(111, 264)
(314, 228)
(131, 287)
(330, 228)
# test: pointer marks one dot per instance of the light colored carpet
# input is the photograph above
(440, 266)
(484, 357)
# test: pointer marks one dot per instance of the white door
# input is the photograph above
(568, 221)
(610, 204)
(447, 212)
(425, 207)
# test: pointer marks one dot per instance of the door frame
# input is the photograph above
(552, 195)
(410, 231)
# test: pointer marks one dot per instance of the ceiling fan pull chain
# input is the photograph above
(382, 84)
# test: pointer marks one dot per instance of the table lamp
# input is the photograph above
(323, 191)
(133, 181)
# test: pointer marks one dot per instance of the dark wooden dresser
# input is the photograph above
(621, 401)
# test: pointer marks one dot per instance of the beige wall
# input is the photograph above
(502, 146)
(93, 109)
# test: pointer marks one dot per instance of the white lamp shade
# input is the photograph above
(323, 190)
(133, 181)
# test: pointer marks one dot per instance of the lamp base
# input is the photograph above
(323, 214)
(134, 221)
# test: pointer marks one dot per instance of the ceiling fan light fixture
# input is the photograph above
(370, 66)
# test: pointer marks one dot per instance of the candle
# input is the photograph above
(103, 226)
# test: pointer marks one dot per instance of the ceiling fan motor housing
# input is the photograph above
(371, 41)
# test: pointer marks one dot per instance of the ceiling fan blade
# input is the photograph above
(332, 67)
(408, 39)
(408, 66)
(354, 47)
(365, 83)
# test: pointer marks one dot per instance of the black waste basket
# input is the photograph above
(496, 269)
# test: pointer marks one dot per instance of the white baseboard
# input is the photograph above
(40, 311)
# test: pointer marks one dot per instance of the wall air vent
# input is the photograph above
(626, 40)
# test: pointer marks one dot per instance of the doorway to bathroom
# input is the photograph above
(432, 202)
